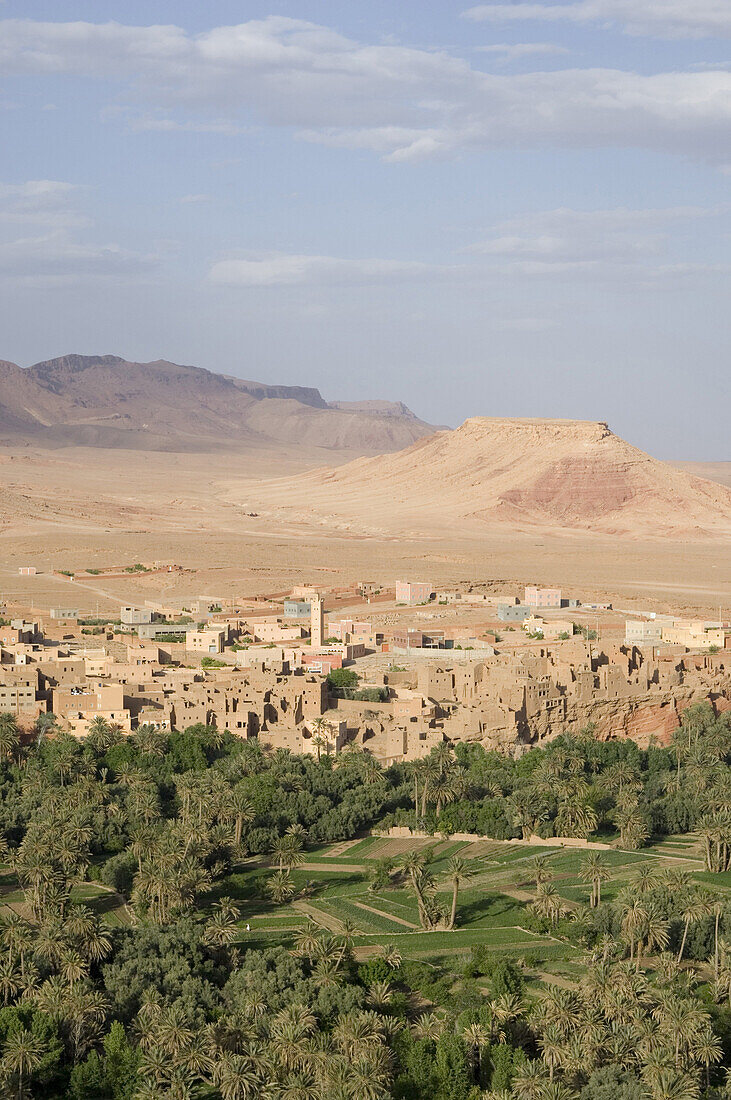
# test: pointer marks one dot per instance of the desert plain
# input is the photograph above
(76, 507)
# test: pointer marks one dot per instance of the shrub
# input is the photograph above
(119, 872)
(374, 970)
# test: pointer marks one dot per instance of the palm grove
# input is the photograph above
(179, 1004)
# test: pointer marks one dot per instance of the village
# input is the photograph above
(390, 669)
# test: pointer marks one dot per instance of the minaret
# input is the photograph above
(317, 622)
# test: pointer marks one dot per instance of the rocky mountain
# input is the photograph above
(103, 400)
(551, 474)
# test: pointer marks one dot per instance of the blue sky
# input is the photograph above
(501, 209)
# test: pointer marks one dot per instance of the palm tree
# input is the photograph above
(723, 981)
(429, 770)
(530, 1081)
(542, 871)
(370, 769)
(220, 929)
(593, 869)
(84, 1012)
(646, 880)
(459, 871)
(475, 1038)
(44, 725)
(680, 1019)
(11, 980)
(150, 741)
(239, 809)
(708, 1051)
(547, 903)
(634, 921)
(287, 852)
(21, 1057)
(9, 736)
(306, 940)
(279, 887)
(73, 967)
(100, 734)
(391, 956)
(719, 908)
(17, 936)
(321, 735)
(380, 994)
(299, 831)
(622, 775)
(633, 827)
(422, 884)
(695, 909)
(428, 1026)
(236, 1077)
(551, 1046)
(670, 1084)
(576, 816)
(655, 935)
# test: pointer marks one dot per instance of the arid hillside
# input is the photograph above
(520, 474)
(105, 401)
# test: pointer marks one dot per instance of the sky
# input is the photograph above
(501, 209)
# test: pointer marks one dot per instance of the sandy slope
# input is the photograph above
(522, 474)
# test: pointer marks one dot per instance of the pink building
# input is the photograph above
(412, 592)
(322, 662)
(340, 628)
(542, 597)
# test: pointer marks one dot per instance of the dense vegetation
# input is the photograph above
(178, 1002)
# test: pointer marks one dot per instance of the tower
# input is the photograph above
(317, 622)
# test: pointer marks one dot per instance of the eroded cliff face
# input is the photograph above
(651, 718)
(646, 719)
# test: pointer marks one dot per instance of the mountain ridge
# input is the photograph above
(105, 400)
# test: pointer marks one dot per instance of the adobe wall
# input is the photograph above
(403, 832)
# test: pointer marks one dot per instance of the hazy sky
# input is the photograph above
(513, 209)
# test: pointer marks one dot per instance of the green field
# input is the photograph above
(493, 914)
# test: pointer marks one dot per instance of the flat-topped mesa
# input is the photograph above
(536, 426)
(520, 472)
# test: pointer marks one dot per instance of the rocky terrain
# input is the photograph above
(522, 474)
(106, 401)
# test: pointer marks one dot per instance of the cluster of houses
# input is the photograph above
(264, 675)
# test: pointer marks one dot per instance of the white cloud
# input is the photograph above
(55, 254)
(400, 103)
(618, 244)
(58, 258)
(284, 269)
(514, 51)
(171, 125)
(618, 241)
(40, 202)
(664, 18)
